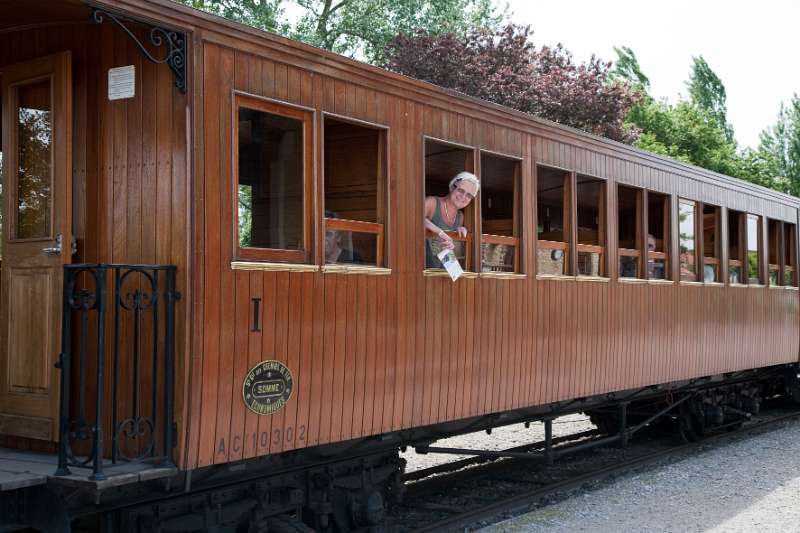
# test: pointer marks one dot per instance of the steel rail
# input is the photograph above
(520, 501)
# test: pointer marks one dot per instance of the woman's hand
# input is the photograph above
(462, 232)
(445, 240)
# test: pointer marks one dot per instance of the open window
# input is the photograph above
(658, 224)
(774, 252)
(501, 227)
(736, 247)
(790, 255)
(629, 227)
(781, 253)
(442, 162)
(591, 245)
(711, 243)
(553, 228)
(687, 210)
(272, 165)
(355, 192)
(754, 247)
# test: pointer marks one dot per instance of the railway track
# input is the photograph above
(469, 493)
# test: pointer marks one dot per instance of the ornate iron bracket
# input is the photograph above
(175, 43)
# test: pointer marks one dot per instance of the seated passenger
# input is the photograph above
(444, 214)
(338, 245)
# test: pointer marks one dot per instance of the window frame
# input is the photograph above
(517, 240)
(786, 249)
(568, 201)
(695, 238)
(640, 235)
(471, 255)
(759, 247)
(602, 223)
(667, 238)
(741, 239)
(789, 230)
(306, 116)
(382, 215)
(700, 232)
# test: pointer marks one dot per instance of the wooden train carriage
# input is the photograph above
(592, 267)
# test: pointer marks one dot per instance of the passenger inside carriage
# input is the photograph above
(339, 245)
(444, 214)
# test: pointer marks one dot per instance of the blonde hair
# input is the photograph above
(465, 176)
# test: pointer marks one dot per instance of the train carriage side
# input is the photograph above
(570, 311)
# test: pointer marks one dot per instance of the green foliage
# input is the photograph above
(627, 70)
(780, 146)
(707, 92)
(696, 131)
(263, 14)
(358, 28)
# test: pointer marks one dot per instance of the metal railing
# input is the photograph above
(139, 374)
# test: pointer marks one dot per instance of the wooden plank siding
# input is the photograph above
(377, 354)
(129, 175)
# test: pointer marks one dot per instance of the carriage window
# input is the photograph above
(774, 253)
(500, 214)
(711, 242)
(736, 247)
(553, 224)
(355, 180)
(790, 254)
(686, 217)
(591, 244)
(629, 216)
(273, 181)
(443, 161)
(754, 249)
(658, 222)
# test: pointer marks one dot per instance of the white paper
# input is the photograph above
(121, 82)
(450, 263)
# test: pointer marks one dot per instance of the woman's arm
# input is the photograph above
(442, 237)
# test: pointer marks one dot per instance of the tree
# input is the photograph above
(780, 145)
(707, 91)
(627, 69)
(263, 14)
(505, 67)
(357, 28)
(363, 28)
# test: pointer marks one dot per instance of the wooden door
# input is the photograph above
(36, 120)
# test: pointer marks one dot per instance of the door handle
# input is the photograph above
(55, 250)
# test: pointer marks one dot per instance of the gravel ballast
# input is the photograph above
(750, 485)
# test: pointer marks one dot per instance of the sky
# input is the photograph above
(752, 46)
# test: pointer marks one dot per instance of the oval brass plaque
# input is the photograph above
(267, 387)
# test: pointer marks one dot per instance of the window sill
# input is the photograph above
(693, 283)
(549, 277)
(441, 273)
(737, 285)
(791, 288)
(660, 282)
(756, 286)
(632, 281)
(356, 269)
(273, 267)
(502, 275)
(592, 279)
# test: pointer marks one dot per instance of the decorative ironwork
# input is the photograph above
(145, 372)
(175, 41)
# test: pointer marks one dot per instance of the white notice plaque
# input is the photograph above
(121, 82)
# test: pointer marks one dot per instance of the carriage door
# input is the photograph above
(36, 222)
